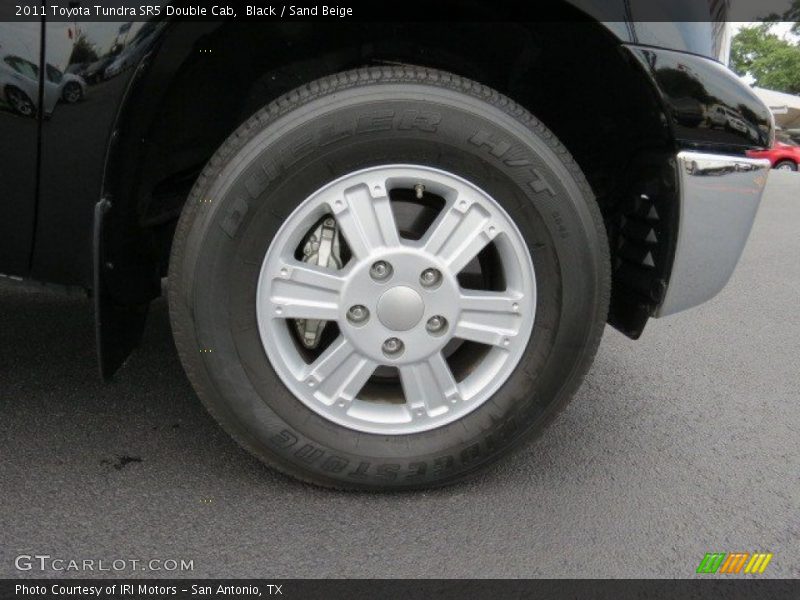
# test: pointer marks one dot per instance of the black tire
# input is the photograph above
(283, 154)
(72, 93)
(788, 165)
(20, 102)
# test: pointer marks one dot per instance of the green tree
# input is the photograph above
(83, 51)
(772, 62)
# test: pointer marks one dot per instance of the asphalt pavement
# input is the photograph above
(684, 442)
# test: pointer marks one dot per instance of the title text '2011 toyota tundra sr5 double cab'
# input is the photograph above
(390, 249)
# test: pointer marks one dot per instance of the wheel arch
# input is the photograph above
(193, 90)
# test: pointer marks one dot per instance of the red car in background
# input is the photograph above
(784, 154)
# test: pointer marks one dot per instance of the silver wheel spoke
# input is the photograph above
(429, 386)
(491, 318)
(303, 291)
(460, 233)
(339, 373)
(366, 220)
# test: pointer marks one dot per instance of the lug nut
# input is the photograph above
(436, 325)
(393, 347)
(381, 270)
(430, 278)
(358, 314)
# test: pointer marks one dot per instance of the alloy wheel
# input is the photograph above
(384, 334)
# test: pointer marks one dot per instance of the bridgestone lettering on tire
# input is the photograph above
(388, 278)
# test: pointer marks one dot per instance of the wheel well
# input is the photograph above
(573, 76)
(11, 86)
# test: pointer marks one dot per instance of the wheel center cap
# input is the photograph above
(400, 308)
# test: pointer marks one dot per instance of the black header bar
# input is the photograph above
(399, 10)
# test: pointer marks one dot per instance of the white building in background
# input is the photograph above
(785, 107)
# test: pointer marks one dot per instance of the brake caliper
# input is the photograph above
(321, 248)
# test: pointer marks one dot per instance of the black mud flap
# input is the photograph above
(118, 327)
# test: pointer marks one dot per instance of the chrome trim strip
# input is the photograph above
(719, 197)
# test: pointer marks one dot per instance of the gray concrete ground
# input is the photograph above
(685, 442)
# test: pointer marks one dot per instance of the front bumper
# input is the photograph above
(719, 197)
